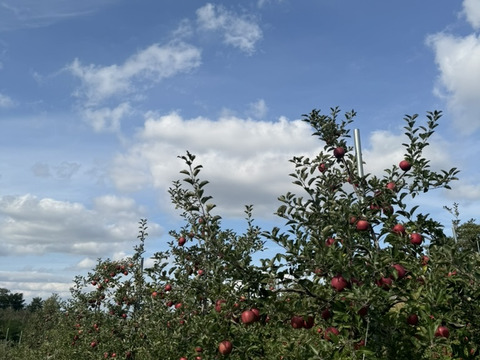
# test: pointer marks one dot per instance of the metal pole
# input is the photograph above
(358, 152)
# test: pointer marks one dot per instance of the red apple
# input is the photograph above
(248, 317)
(359, 344)
(309, 322)
(168, 287)
(425, 260)
(412, 319)
(178, 305)
(442, 331)
(181, 241)
(330, 241)
(225, 347)
(362, 225)
(391, 186)
(322, 167)
(400, 270)
(416, 239)
(405, 165)
(199, 349)
(363, 311)
(296, 322)
(330, 331)
(398, 229)
(339, 283)
(326, 314)
(385, 283)
(387, 210)
(256, 312)
(339, 152)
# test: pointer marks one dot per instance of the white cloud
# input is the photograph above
(6, 101)
(258, 109)
(33, 226)
(457, 59)
(246, 160)
(148, 66)
(239, 31)
(86, 263)
(471, 10)
(105, 118)
(385, 149)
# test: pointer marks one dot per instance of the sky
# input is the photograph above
(98, 98)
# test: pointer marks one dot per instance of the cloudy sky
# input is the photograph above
(97, 99)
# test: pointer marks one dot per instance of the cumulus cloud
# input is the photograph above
(34, 226)
(240, 31)
(246, 160)
(471, 10)
(33, 284)
(150, 65)
(457, 59)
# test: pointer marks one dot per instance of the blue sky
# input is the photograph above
(97, 99)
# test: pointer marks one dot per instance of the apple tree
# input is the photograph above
(363, 273)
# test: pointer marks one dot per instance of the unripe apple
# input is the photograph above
(362, 225)
(225, 347)
(416, 239)
(339, 283)
(442, 331)
(405, 165)
(339, 152)
(412, 319)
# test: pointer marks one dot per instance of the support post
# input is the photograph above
(358, 152)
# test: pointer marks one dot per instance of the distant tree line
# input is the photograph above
(14, 314)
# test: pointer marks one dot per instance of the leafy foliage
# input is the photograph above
(361, 274)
